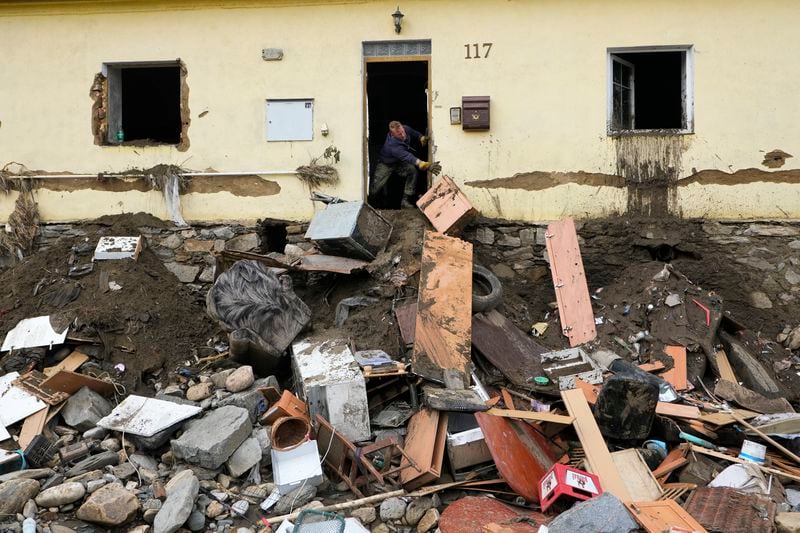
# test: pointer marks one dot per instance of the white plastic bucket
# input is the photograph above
(753, 452)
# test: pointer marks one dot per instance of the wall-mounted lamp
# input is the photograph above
(397, 16)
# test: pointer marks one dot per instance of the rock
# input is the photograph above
(484, 236)
(381, 528)
(793, 339)
(182, 491)
(788, 522)
(672, 300)
(143, 461)
(262, 434)
(392, 509)
(171, 241)
(292, 500)
(15, 494)
(219, 378)
(502, 270)
(94, 484)
(603, 514)
(759, 300)
(61, 494)
(207, 275)
(756, 262)
(214, 509)
(31, 473)
(123, 471)
(55, 528)
(509, 242)
(245, 457)
(250, 399)
(211, 440)
(196, 521)
(184, 273)
(111, 505)
(795, 245)
(95, 433)
(111, 445)
(84, 408)
(201, 391)
(30, 509)
(366, 515)
(428, 521)
(139, 529)
(243, 243)
(416, 509)
(769, 230)
(791, 276)
(196, 245)
(240, 379)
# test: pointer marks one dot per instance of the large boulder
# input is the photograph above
(211, 440)
(84, 409)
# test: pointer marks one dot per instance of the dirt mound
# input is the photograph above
(153, 321)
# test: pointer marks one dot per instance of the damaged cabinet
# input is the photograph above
(350, 229)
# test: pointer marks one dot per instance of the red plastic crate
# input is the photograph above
(563, 480)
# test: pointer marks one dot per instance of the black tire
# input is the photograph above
(487, 291)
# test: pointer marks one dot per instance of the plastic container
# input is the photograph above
(753, 452)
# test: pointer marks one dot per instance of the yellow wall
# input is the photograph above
(546, 75)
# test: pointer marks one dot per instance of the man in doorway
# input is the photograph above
(397, 158)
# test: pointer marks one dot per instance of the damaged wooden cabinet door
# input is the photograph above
(443, 332)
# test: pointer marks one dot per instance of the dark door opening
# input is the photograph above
(396, 90)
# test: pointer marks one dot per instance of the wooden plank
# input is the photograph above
(723, 419)
(71, 382)
(653, 366)
(678, 410)
(725, 369)
(666, 468)
(72, 362)
(732, 459)
(33, 425)
(407, 321)
(532, 415)
(512, 351)
(425, 445)
(590, 391)
(638, 478)
(569, 280)
(594, 445)
(676, 376)
(444, 314)
(447, 208)
(507, 399)
(32, 383)
(660, 516)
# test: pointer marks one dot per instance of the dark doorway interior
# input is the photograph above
(151, 105)
(396, 90)
(658, 89)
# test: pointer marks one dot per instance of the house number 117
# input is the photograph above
(476, 48)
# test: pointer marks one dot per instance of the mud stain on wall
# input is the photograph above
(650, 166)
(94, 184)
(236, 185)
(741, 177)
(775, 159)
(539, 180)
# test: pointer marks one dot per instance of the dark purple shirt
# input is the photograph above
(395, 150)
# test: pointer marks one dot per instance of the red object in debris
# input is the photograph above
(522, 454)
(475, 513)
(704, 308)
(563, 480)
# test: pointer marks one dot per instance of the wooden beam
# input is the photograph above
(732, 459)
(678, 410)
(676, 376)
(33, 425)
(72, 362)
(594, 445)
(725, 369)
(532, 415)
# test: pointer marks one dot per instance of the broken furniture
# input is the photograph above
(564, 366)
(260, 312)
(350, 229)
(466, 445)
(425, 445)
(566, 481)
(446, 207)
(287, 405)
(329, 379)
(569, 281)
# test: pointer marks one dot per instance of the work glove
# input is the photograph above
(423, 140)
(434, 167)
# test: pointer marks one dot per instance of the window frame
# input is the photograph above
(687, 89)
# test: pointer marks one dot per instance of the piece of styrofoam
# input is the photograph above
(33, 332)
(117, 248)
(15, 403)
(4, 434)
(145, 417)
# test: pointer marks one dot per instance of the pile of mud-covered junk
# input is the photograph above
(657, 413)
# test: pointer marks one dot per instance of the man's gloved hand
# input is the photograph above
(423, 140)
(434, 167)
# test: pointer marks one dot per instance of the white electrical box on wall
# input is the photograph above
(290, 120)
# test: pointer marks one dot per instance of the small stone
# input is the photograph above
(201, 391)
(294, 499)
(366, 515)
(95, 433)
(240, 379)
(243, 243)
(381, 528)
(15, 494)
(55, 528)
(207, 275)
(84, 408)
(793, 339)
(794, 245)
(61, 494)
(111, 505)
(509, 242)
(756, 262)
(484, 236)
(182, 491)
(792, 276)
(428, 521)
(196, 521)
(224, 480)
(759, 300)
(672, 300)
(416, 509)
(30, 509)
(219, 378)
(196, 245)
(111, 445)
(214, 509)
(171, 241)
(123, 471)
(149, 515)
(139, 529)
(788, 522)
(769, 230)
(502, 270)
(240, 507)
(95, 484)
(392, 509)
(143, 461)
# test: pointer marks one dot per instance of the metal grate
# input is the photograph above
(397, 48)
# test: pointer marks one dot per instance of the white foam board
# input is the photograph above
(145, 417)
(15, 403)
(33, 332)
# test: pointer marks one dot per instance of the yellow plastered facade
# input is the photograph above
(546, 76)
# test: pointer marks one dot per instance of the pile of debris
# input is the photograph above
(413, 404)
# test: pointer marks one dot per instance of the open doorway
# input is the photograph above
(395, 90)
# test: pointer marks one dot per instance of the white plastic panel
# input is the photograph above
(290, 120)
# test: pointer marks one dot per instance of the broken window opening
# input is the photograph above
(650, 90)
(144, 103)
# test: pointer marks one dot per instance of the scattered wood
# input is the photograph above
(444, 313)
(723, 418)
(660, 516)
(653, 366)
(767, 438)
(407, 321)
(733, 459)
(532, 415)
(33, 425)
(676, 376)
(32, 383)
(72, 363)
(425, 445)
(598, 457)
(725, 369)
(677, 410)
(72, 382)
(569, 280)
(446, 207)
(638, 478)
